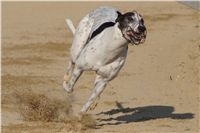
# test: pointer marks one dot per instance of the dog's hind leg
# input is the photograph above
(75, 74)
(69, 71)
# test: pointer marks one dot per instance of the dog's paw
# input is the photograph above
(66, 87)
(93, 106)
(80, 115)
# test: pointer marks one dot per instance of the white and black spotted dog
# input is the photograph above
(100, 44)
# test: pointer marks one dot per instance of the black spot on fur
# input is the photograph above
(101, 28)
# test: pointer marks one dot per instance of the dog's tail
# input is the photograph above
(70, 25)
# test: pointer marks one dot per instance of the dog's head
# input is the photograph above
(132, 27)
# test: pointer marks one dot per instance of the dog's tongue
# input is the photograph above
(130, 33)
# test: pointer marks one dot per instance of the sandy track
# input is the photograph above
(156, 91)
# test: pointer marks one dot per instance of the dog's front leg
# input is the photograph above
(104, 75)
(100, 84)
(68, 86)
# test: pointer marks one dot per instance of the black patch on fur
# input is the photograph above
(104, 26)
(118, 17)
(101, 28)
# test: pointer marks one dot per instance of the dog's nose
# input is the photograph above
(141, 28)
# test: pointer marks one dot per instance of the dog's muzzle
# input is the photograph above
(137, 36)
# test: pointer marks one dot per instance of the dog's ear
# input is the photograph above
(134, 11)
(119, 17)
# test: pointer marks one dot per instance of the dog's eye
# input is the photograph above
(130, 18)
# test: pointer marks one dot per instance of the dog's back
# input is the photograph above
(100, 16)
(90, 26)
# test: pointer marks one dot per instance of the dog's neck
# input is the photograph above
(118, 35)
(115, 41)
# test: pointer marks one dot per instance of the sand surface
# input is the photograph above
(156, 91)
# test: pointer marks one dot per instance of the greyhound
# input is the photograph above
(100, 44)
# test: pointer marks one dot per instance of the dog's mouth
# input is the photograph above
(136, 37)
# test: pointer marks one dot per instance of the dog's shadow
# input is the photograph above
(140, 114)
